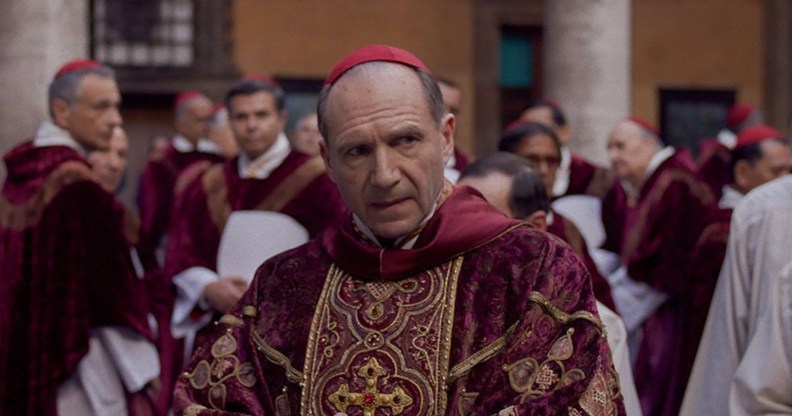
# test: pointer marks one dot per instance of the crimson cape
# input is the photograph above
(585, 178)
(155, 192)
(65, 268)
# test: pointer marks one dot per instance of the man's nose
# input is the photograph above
(385, 172)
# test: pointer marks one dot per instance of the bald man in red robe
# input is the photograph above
(65, 266)
(424, 301)
(192, 111)
(665, 208)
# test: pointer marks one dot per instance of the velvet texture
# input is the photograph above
(660, 234)
(65, 269)
(195, 232)
(155, 194)
(508, 278)
(713, 165)
(566, 230)
(586, 178)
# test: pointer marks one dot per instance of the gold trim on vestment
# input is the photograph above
(423, 320)
(481, 355)
(562, 316)
(277, 358)
(292, 185)
(232, 320)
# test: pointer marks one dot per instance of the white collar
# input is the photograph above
(727, 138)
(263, 166)
(406, 245)
(48, 134)
(654, 163)
(561, 184)
(184, 145)
(730, 197)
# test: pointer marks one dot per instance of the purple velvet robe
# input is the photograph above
(65, 269)
(713, 165)
(299, 187)
(566, 230)
(661, 229)
(483, 314)
(586, 178)
(155, 193)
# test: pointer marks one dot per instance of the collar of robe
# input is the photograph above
(463, 222)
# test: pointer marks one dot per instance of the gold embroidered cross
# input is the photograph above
(371, 399)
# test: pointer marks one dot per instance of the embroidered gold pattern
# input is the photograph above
(532, 379)
(398, 331)
(597, 399)
(224, 366)
(249, 311)
(274, 356)
(193, 410)
(232, 321)
(282, 407)
(465, 401)
(480, 356)
(562, 316)
(371, 399)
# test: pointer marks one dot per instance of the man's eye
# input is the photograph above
(407, 140)
(357, 151)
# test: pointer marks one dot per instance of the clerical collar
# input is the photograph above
(730, 197)
(654, 163)
(262, 166)
(561, 183)
(727, 138)
(405, 242)
(48, 134)
(184, 145)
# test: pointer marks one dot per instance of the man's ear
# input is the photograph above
(537, 220)
(741, 174)
(563, 134)
(447, 130)
(325, 153)
(61, 110)
(283, 118)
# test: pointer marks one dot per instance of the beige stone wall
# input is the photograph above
(696, 43)
(37, 38)
(305, 38)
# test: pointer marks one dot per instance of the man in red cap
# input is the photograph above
(267, 176)
(713, 159)
(760, 155)
(424, 300)
(68, 282)
(653, 217)
(192, 112)
(576, 175)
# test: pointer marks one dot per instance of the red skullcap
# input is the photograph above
(217, 108)
(185, 96)
(77, 65)
(373, 53)
(738, 114)
(645, 124)
(514, 125)
(259, 76)
(756, 134)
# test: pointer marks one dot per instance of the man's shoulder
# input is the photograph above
(774, 196)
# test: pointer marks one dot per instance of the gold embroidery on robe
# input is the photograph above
(224, 366)
(533, 379)
(381, 345)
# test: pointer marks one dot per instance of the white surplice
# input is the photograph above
(758, 249)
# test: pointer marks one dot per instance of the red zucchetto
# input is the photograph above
(77, 65)
(756, 134)
(645, 124)
(374, 53)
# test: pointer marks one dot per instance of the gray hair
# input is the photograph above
(66, 86)
(432, 94)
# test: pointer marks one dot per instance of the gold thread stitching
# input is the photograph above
(562, 316)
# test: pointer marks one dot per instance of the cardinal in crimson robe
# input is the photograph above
(192, 113)
(267, 175)
(424, 300)
(665, 209)
(65, 266)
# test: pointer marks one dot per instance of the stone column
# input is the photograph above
(587, 68)
(778, 64)
(38, 37)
